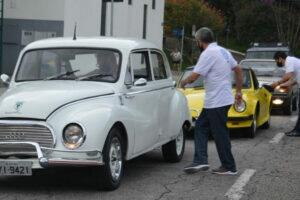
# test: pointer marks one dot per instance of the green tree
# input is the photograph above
(192, 12)
(255, 22)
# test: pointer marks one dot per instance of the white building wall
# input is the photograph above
(128, 20)
(34, 9)
(87, 15)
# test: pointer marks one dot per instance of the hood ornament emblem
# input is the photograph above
(18, 106)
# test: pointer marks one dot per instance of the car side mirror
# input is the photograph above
(5, 79)
(140, 82)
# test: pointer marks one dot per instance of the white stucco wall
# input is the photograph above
(87, 15)
(128, 19)
(34, 9)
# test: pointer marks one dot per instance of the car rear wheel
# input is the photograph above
(174, 150)
(252, 130)
(109, 176)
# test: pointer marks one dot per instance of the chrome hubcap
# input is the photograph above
(179, 143)
(115, 159)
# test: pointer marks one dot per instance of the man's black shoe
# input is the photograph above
(293, 134)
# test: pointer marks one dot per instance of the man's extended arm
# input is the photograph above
(287, 77)
(190, 79)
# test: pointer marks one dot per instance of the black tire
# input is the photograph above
(288, 110)
(104, 175)
(170, 151)
(252, 130)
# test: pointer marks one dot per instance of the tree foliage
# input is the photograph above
(288, 22)
(192, 12)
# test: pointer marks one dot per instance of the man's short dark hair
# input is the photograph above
(280, 54)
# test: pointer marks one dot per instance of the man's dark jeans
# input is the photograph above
(297, 127)
(213, 121)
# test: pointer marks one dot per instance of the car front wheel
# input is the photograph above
(109, 176)
(252, 130)
(174, 150)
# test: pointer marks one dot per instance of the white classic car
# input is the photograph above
(90, 102)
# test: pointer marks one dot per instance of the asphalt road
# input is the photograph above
(275, 171)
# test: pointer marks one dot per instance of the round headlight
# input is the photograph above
(240, 107)
(73, 136)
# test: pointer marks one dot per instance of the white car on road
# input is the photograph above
(90, 102)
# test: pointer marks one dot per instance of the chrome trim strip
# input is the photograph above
(36, 145)
(41, 123)
(52, 162)
(144, 91)
(78, 100)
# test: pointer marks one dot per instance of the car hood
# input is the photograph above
(267, 80)
(37, 100)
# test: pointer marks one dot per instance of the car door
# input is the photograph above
(263, 97)
(164, 83)
(142, 101)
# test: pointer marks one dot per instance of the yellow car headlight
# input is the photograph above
(240, 107)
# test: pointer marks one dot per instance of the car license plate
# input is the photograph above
(15, 168)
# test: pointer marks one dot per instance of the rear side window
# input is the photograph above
(159, 68)
(140, 65)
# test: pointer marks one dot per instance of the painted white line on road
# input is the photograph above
(276, 139)
(236, 191)
(294, 119)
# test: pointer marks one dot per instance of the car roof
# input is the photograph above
(93, 42)
(268, 49)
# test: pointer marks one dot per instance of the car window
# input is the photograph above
(140, 65)
(159, 68)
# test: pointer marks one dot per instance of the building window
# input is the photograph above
(129, 2)
(153, 4)
(145, 21)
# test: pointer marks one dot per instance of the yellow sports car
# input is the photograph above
(254, 112)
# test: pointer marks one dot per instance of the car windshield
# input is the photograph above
(261, 54)
(199, 83)
(70, 64)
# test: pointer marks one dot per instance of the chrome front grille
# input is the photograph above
(26, 132)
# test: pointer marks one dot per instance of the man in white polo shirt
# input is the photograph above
(292, 65)
(215, 65)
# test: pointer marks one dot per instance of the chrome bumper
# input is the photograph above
(46, 157)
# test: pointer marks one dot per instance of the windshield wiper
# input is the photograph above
(93, 76)
(62, 75)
